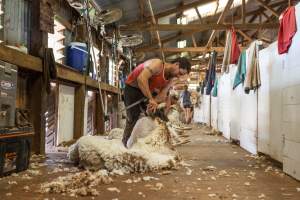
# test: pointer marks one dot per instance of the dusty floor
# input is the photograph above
(215, 169)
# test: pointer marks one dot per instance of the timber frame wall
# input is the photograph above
(32, 65)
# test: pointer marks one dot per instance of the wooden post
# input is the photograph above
(209, 110)
(243, 11)
(37, 97)
(79, 103)
(99, 116)
(38, 38)
(37, 94)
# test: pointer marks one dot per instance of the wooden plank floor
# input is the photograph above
(237, 176)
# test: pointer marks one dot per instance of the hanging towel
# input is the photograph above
(287, 29)
(227, 53)
(211, 72)
(235, 49)
(241, 70)
(252, 80)
(215, 89)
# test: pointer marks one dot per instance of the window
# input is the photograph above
(57, 41)
(14, 23)
(209, 9)
(182, 20)
(181, 44)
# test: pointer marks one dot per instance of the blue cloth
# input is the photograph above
(211, 75)
(241, 70)
(215, 89)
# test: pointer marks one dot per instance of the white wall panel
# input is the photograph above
(214, 112)
(224, 106)
(291, 167)
(206, 109)
(248, 136)
(235, 105)
(291, 105)
(263, 117)
(65, 113)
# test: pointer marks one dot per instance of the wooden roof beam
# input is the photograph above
(157, 33)
(243, 11)
(173, 37)
(189, 49)
(247, 37)
(205, 27)
(268, 8)
(220, 20)
(175, 10)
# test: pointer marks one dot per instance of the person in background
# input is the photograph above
(187, 104)
(151, 80)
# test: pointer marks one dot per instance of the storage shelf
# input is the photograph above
(16, 134)
(33, 63)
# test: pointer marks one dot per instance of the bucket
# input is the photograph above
(77, 56)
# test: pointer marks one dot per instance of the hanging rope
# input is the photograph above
(90, 42)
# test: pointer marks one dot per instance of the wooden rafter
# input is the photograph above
(243, 11)
(247, 37)
(268, 8)
(175, 10)
(199, 15)
(190, 49)
(205, 27)
(184, 34)
(194, 41)
(142, 9)
(280, 9)
(157, 33)
(220, 21)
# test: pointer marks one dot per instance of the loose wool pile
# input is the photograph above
(78, 184)
(150, 153)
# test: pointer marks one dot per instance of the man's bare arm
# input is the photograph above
(152, 67)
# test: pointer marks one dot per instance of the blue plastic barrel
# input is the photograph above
(77, 56)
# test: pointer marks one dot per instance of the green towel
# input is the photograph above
(215, 89)
(241, 70)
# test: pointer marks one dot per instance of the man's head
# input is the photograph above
(181, 66)
(185, 87)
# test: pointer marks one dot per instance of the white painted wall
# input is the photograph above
(201, 113)
(214, 112)
(248, 134)
(224, 106)
(291, 105)
(235, 107)
(206, 109)
(65, 113)
(270, 136)
(85, 114)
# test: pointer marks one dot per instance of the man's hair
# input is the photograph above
(184, 63)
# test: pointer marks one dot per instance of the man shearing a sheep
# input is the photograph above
(151, 79)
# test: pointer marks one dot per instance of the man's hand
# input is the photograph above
(152, 105)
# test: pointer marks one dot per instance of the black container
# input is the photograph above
(16, 151)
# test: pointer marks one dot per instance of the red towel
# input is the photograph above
(235, 49)
(287, 30)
